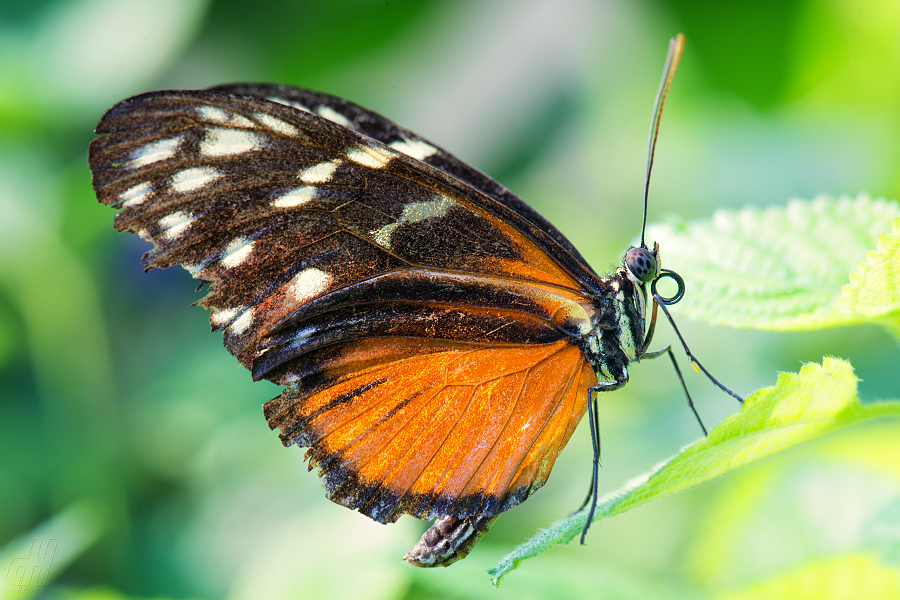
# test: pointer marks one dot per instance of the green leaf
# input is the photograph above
(883, 533)
(828, 499)
(820, 399)
(844, 578)
(35, 558)
(874, 290)
(789, 268)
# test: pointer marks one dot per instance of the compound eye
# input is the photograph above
(642, 264)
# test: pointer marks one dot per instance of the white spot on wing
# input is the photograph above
(243, 322)
(277, 125)
(220, 317)
(308, 283)
(326, 112)
(413, 213)
(175, 224)
(194, 179)
(236, 252)
(155, 152)
(367, 156)
(228, 142)
(319, 173)
(135, 195)
(212, 113)
(416, 148)
(223, 117)
(295, 197)
(290, 103)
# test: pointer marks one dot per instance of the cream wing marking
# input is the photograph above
(228, 142)
(295, 197)
(194, 178)
(220, 317)
(309, 283)
(236, 252)
(175, 224)
(369, 156)
(277, 125)
(320, 173)
(155, 152)
(414, 213)
(136, 195)
(223, 117)
(243, 322)
(326, 112)
(415, 148)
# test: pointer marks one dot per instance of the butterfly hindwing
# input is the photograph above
(463, 431)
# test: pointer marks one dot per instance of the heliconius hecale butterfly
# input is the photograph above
(438, 339)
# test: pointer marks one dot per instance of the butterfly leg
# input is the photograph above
(594, 423)
(667, 349)
(694, 362)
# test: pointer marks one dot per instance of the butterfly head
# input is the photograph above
(640, 270)
(643, 269)
(642, 265)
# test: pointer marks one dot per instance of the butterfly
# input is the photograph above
(438, 340)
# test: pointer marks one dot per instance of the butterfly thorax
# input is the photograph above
(617, 332)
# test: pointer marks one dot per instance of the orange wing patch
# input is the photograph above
(535, 264)
(463, 431)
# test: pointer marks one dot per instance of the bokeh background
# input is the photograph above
(131, 435)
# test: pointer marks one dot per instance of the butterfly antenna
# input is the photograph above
(676, 45)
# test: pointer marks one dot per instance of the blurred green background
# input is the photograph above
(131, 435)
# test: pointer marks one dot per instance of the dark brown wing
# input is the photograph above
(427, 330)
(279, 207)
(375, 126)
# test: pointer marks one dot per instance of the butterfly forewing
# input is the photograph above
(425, 320)
(375, 126)
(280, 206)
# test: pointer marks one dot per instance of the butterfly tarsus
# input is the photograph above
(690, 354)
(667, 349)
(594, 423)
(595, 463)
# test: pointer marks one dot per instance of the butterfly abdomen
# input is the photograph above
(448, 541)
